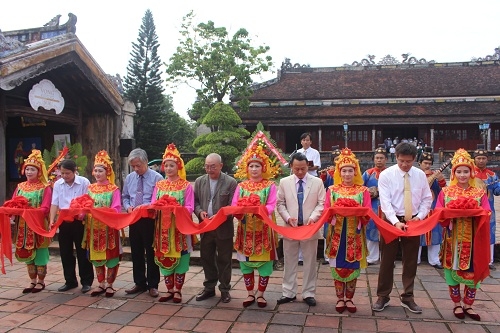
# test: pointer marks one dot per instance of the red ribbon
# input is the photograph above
(346, 202)
(83, 201)
(17, 202)
(463, 203)
(166, 200)
(186, 225)
(252, 200)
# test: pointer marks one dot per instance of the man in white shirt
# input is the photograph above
(66, 189)
(391, 187)
(312, 154)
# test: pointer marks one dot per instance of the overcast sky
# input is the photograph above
(319, 33)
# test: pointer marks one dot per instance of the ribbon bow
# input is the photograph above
(17, 202)
(83, 201)
(346, 202)
(252, 200)
(166, 200)
(463, 203)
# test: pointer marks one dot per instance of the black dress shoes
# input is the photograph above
(225, 297)
(86, 289)
(135, 289)
(310, 301)
(153, 292)
(67, 287)
(206, 294)
(285, 299)
(438, 266)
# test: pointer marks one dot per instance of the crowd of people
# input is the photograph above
(401, 195)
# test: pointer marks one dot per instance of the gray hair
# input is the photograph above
(138, 153)
(215, 156)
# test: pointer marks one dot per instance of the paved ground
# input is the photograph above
(52, 311)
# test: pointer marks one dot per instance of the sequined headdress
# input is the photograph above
(35, 159)
(462, 158)
(102, 159)
(263, 151)
(172, 154)
(347, 158)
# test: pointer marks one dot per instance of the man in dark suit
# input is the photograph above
(212, 192)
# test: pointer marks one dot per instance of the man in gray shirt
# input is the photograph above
(212, 192)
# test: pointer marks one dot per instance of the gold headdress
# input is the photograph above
(347, 158)
(261, 150)
(35, 159)
(380, 150)
(480, 152)
(172, 154)
(102, 158)
(462, 158)
(426, 155)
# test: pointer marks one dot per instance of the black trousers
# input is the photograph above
(141, 235)
(216, 257)
(72, 233)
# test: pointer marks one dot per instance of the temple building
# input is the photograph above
(444, 105)
(52, 89)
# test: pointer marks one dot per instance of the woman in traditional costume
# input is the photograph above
(433, 238)
(101, 241)
(173, 249)
(458, 254)
(255, 241)
(32, 248)
(346, 238)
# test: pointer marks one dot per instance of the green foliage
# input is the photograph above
(195, 166)
(156, 124)
(75, 153)
(226, 139)
(220, 63)
(221, 116)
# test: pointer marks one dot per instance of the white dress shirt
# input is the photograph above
(312, 155)
(391, 186)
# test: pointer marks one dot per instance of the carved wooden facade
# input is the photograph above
(94, 114)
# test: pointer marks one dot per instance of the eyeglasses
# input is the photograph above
(210, 167)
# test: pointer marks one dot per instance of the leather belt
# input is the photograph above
(402, 218)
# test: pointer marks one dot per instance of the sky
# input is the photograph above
(323, 33)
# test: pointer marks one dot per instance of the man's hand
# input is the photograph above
(310, 221)
(203, 215)
(130, 209)
(292, 221)
(401, 226)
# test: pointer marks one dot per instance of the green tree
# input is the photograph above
(226, 139)
(220, 64)
(155, 124)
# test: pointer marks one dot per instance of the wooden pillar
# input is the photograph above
(3, 165)
(488, 139)
(432, 137)
(3, 149)
(374, 138)
(320, 139)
